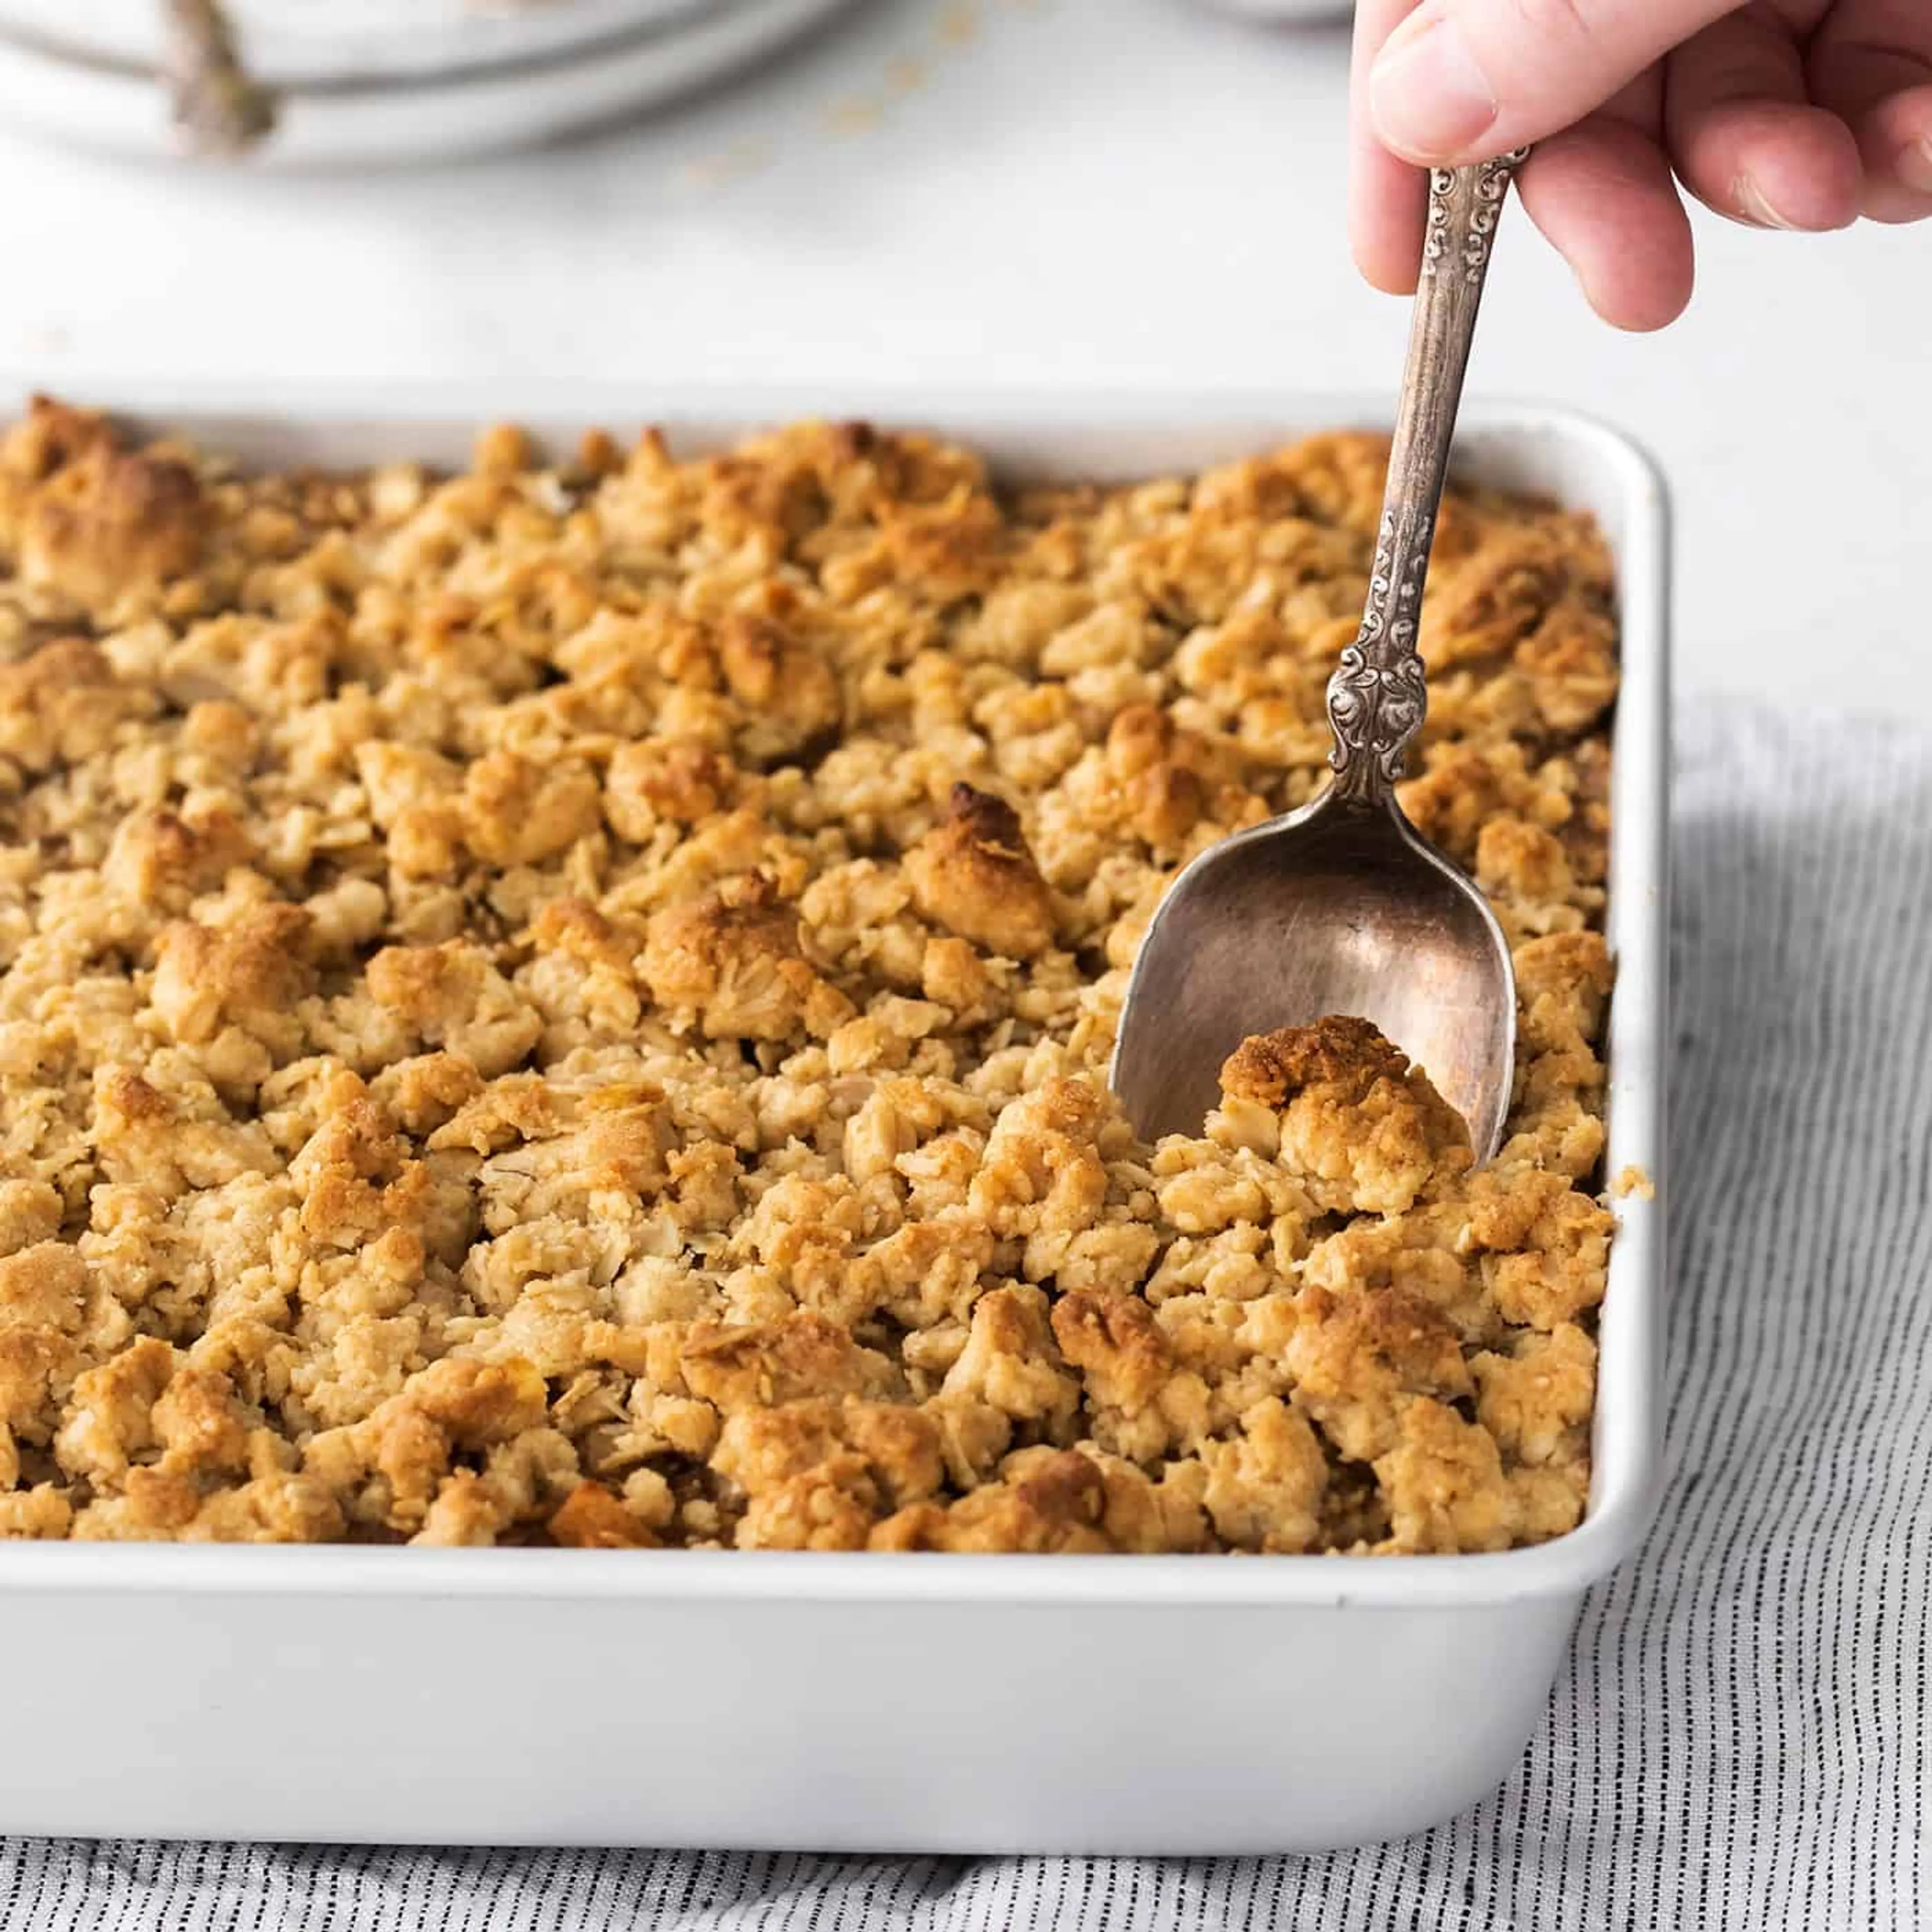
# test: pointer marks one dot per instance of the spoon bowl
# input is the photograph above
(1343, 908)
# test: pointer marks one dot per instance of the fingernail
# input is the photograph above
(1753, 207)
(1914, 165)
(1429, 99)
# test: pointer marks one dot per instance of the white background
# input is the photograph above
(1072, 192)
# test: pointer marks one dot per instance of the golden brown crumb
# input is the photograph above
(1362, 1128)
(591, 1518)
(731, 960)
(788, 690)
(95, 524)
(571, 1006)
(973, 875)
(1633, 1180)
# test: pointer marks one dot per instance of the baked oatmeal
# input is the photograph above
(570, 1004)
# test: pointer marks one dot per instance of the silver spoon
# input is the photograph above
(1343, 906)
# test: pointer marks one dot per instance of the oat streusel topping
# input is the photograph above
(571, 1004)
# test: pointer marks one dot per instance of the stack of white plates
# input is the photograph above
(387, 82)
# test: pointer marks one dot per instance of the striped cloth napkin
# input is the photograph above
(1741, 1739)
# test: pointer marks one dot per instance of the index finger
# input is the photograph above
(1387, 197)
(1463, 79)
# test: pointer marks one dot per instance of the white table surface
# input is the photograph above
(1072, 192)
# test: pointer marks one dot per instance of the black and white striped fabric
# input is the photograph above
(1741, 1739)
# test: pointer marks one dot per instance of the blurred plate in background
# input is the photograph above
(1286, 12)
(408, 117)
(293, 42)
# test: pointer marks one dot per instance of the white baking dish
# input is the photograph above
(1160, 1704)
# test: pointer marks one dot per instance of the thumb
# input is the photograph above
(1461, 80)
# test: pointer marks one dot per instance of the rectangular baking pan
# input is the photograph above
(884, 1702)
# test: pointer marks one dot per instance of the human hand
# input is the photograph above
(1798, 114)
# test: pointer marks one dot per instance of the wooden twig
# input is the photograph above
(218, 109)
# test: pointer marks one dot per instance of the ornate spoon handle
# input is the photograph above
(1379, 696)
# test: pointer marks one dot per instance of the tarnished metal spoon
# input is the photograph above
(1343, 906)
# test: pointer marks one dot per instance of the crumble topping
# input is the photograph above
(570, 1004)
